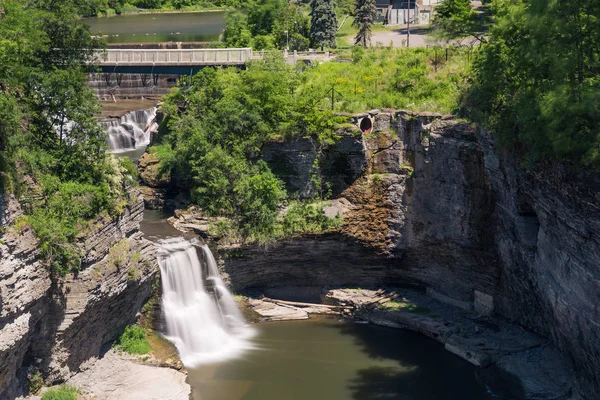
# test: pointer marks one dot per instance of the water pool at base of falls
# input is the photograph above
(320, 358)
(333, 359)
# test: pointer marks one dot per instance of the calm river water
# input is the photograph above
(160, 27)
(326, 358)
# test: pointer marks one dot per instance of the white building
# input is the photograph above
(395, 12)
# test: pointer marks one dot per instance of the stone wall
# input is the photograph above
(437, 205)
(56, 323)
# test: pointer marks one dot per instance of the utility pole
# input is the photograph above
(332, 97)
(408, 27)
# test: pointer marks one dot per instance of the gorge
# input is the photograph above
(193, 214)
(431, 203)
(427, 203)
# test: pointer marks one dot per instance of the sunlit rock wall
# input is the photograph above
(53, 323)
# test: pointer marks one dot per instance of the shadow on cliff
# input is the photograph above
(416, 367)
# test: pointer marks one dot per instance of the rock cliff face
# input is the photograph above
(301, 162)
(54, 324)
(548, 241)
(433, 203)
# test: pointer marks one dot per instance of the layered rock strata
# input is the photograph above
(53, 324)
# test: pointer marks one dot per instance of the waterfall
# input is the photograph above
(201, 316)
(132, 130)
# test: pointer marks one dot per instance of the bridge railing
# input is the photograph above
(171, 57)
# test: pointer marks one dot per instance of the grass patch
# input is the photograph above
(62, 392)
(415, 79)
(133, 341)
(395, 305)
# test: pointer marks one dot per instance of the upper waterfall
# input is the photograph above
(202, 319)
(131, 130)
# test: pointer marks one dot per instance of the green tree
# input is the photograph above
(215, 147)
(262, 15)
(456, 19)
(47, 127)
(537, 81)
(364, 17)
(149, 3)
(297, 24)
(236, 32)
(323, 23)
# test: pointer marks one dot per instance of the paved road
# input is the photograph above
(418, 37)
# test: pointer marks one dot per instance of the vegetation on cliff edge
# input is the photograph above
(536, 83)
(218, 121)
(52, 151)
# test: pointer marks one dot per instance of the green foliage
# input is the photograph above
(214, 148)
(296, 22)
(36, 380)
(306, 217)
(269, 24)
(152, 3)
(323, 23)
(62, 392)
(58, 219)
(365, 13)
(133, 341)
(262, 15)
(236, 32)
(396, 305)
(537, 81)
(263, 42)
(455, 19)
(357, 54)
(128, 170)
(389, 78)
(49, 137)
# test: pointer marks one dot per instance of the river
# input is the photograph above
(160, 27)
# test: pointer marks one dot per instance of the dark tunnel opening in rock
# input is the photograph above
(366, 125)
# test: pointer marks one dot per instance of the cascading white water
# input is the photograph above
(205, 327)
(132, 130)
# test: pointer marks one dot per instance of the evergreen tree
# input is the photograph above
(323, 23)
(364, 16)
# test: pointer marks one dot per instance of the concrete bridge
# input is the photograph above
(187, 61)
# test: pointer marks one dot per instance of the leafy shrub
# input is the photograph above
(304, 217)
(128, 169)
(133, 340)
(62, 215)
(36, 381)
(62, 392)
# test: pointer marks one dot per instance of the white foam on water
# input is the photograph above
(133, 130)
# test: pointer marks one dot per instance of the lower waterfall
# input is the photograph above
(201, 316)
(131, 130)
